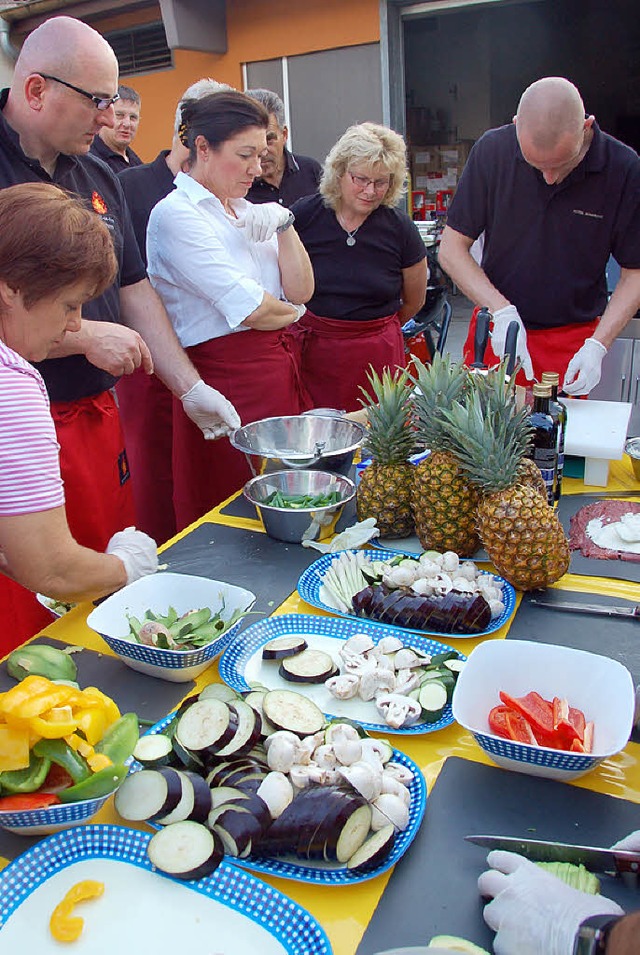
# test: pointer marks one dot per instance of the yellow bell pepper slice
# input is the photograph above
(13, 699)
(92, 722)
(14, 747)
(55, 723)
(63, 925)
(98, 761)
(93, 693)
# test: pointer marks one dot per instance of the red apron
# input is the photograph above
(335, 356)
(258, 373)
(98, 499)
(551, 349)
(146, 414)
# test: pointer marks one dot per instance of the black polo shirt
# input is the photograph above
(115, 161)
(301, 178)
(144, 186)
(73, 377)
(546, 247)
(362, 281)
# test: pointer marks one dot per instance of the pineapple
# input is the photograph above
(529, 473)
(518, 528)
(444, 500)
(384, 492)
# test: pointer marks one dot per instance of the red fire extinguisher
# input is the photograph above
(419, 204)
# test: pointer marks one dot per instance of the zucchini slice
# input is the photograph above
(310, 666)
(433, 699)
(154, 750)
(288, 710)
(281, 647)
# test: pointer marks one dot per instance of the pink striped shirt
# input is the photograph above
(29, 451)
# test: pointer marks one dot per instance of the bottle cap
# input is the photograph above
(550, 378)
(542, 390)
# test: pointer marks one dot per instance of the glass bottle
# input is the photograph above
(545, 438)
(558, 411)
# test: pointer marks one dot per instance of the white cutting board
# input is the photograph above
(596, 431)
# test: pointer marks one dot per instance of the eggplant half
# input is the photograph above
(452, 613)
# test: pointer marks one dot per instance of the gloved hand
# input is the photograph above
(533, 911)
(214, 415)
(501, 321)
(137, 551)
(583, 371)
(300, 310)
(631, 842)
(260, 220)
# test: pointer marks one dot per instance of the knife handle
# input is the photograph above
(481, 337)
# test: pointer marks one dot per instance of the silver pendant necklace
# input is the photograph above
(350, 237)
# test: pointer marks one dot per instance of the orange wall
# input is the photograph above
(256, 30)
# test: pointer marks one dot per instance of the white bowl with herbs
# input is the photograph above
(171, 626)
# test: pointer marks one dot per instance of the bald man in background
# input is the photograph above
(553, 196)
(64, 86)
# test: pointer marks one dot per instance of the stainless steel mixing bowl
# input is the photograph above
(632, 447)
(299, 442)
(297, 524)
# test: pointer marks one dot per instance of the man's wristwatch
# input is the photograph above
(285, 225)
(592, 934)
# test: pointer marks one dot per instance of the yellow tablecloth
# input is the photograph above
(344, 911)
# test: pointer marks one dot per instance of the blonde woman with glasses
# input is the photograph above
(369, 264)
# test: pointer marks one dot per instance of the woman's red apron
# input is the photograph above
(258, 373)
(335, 356)
(146, 413)
(98, 499)
(551, 349)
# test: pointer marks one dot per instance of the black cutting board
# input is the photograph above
(433, 889)
(246, 558)
(569, 505)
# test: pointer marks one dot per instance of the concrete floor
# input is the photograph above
(461, 315)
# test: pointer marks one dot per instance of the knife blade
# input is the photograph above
(610, 861)
(614, 611)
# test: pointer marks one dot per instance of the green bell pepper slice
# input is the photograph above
(99, 784)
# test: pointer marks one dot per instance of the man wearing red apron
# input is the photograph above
(553, 197)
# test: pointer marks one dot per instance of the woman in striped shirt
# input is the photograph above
(55, 255)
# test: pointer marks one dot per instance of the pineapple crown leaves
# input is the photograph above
(438, 386)
(391, 437)
(488, 442)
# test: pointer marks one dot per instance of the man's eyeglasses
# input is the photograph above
(361, 182)
(100, 102)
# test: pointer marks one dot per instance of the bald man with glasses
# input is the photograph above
(64, 86)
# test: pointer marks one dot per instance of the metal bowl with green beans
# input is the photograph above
(300, 505)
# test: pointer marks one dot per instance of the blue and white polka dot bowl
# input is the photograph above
(600, 687)
(157, 593)
(40, 822)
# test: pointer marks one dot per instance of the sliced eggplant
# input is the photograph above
(185, 758)
(224, 794)
(218, 691)
(255, 699)
(281, 647)
(206, 727)
(310, 666)
(248, 729)
(154, 750)
(185, 805)
(186, 850)
(288, 710)
(353, 833)
(374, 850)
(241, 827)
(148, 794)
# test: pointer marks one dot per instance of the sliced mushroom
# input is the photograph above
(276, 790)
(398, 711)
(407, 658)
(450, 561)
(388, 808)
(406, 681)
(401, 772)
(357, 644)
(389, 645)
(283, 752)
(343, 687)
(391, 785)
(325, 757)
(364, 778)
(374, 682)
(347, 751)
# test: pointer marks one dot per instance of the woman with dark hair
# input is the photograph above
(369, 263)
(55, 255)
(232, 276)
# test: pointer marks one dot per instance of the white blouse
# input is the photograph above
(209, 276)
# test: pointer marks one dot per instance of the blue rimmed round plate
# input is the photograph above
(151, 911)
(328, 873)
(242, 664)
(310, 583)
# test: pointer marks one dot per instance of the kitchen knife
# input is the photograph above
(510, 344)
(611, 861)
(631, 612)
(480, 339)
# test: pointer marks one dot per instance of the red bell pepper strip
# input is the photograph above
(537, 711)
(19, 803)
(498, 722)
(519, 729)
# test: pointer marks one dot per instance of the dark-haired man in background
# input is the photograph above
(113, 143)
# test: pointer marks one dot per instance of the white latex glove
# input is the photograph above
(631, 842)
(137, 551)
(300, 310)
(260, 220)
(501, 321)
(533, 911)
(214, 415)
(583, 371)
